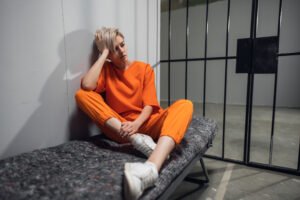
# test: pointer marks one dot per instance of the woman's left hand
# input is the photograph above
(129, 128)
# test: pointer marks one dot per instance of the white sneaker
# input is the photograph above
(143, 143)
(138, 177)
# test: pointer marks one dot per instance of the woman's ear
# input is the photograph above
(109, 57)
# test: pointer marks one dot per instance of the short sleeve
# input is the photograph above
(101, 81)
(149, 91)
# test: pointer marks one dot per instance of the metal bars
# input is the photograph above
(249, 103)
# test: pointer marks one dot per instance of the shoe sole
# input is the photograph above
(128, 184)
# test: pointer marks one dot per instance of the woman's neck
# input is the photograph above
(122, 65)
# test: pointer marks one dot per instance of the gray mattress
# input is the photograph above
(93, 169)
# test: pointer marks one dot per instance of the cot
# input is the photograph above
(93, 168)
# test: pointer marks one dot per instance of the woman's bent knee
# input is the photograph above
(80, 94)
(186, 104)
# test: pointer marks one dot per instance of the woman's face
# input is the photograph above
(119, 57)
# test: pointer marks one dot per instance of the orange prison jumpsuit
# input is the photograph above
(127, 92)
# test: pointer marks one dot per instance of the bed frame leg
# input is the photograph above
(199, 181)
(204, 170)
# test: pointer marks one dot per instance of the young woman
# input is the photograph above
(131, 112)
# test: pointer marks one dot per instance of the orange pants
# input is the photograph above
(172, 122)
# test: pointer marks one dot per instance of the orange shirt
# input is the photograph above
(128, 91)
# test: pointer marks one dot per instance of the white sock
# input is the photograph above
(152, 165)
(132, 137)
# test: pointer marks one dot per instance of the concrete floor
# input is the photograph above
(285, 140)
(233, 181)
(239, 182)
(286, 137)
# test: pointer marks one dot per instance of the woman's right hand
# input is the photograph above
(100, 41)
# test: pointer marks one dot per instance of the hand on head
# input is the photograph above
(100, 40)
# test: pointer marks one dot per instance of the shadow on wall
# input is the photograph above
(79, 123)
(57, 118)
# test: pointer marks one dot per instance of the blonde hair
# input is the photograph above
(107, 37)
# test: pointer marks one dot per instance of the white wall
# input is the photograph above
(46, 46)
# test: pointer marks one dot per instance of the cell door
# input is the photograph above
(238, 61)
